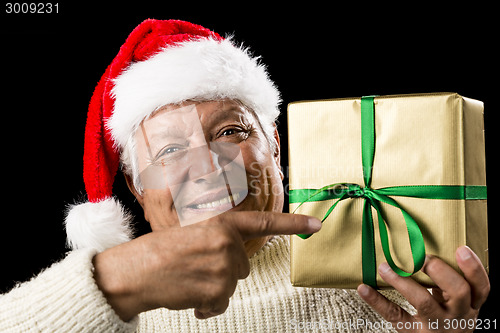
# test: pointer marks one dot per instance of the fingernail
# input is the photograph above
(363, 290)
(384, 268)
(464, 253)
(314, 224)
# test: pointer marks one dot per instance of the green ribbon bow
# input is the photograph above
(373, 198)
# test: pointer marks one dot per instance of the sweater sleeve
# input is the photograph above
(62, 298)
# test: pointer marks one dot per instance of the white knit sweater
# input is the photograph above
(65, 298)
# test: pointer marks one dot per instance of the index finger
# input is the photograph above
(254, 224)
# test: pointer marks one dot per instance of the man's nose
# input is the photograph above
(205, 166)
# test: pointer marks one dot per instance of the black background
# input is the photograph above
(52, 62)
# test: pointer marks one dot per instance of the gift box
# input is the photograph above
(393, 178)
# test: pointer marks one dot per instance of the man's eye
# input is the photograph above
(169, 150)
(169, 153)
(232, 131)
(228, 132)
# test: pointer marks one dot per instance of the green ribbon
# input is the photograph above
(373, 198)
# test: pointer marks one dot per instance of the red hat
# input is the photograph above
(161, 62)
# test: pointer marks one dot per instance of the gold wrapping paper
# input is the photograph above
(424, 139)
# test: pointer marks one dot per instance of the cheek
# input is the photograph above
(158, 209)
(256, 166)
(264, 180)
(257, 157)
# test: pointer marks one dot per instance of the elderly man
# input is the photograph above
(191, 118)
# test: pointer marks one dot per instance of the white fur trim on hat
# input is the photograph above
(204, 69)
(100, 225)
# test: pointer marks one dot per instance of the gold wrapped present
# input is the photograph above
(393, 177)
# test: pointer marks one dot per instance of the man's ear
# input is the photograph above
(277, 151)
(131, 187)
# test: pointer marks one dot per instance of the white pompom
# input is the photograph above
(99, 225)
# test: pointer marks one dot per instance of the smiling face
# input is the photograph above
(198, 160)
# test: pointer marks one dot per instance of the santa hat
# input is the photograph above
(161, 62)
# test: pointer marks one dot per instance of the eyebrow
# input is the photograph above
(223, 113)
(155, 136)
(168, 132)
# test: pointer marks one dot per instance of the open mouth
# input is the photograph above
(222, 201)
(217, 203)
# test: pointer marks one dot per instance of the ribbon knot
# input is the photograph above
(356, 191)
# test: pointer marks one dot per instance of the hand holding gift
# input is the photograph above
(457, 298)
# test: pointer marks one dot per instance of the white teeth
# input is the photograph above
(220, 202)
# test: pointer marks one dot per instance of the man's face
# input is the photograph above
(198, 160)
